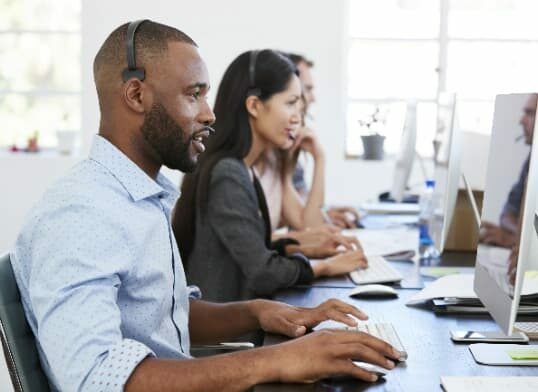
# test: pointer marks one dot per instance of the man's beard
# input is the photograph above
(168, 139)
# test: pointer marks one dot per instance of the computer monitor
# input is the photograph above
(509, 206)
(447, 168)
(406, 154)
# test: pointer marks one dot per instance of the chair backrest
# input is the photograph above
(18, 340)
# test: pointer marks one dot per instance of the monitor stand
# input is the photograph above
(505, 354)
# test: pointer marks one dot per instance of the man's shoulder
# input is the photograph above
(86, 188)
(88, 181)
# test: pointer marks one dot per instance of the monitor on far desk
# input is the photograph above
(447, 168)
(406, 154)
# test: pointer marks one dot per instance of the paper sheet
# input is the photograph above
(461, 286)
(386, 241)
(437, 272)
(458, 286)
(489, 384)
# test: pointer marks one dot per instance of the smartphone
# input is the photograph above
(488, 337)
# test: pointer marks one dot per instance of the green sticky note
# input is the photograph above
(438, 272)
(531, 274)
(526, 354)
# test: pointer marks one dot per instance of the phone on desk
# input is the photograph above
(487, 337)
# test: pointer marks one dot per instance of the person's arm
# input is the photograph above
(301, 215)
(217, 322)
(234, 216)
(74, 277)
(321, 242)
(307, 359)
(344, 217)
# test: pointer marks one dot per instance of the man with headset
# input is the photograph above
(98, 268)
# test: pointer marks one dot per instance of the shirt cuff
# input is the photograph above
(306, 273)
(194, 292)
(116, 368)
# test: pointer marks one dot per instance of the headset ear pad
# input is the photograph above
(132, 71)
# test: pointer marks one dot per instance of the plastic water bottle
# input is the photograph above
(426, 246)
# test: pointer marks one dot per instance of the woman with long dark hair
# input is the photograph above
(221, 221)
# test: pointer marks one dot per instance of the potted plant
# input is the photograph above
(372, 140)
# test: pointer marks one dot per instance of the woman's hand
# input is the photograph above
(340, 264)
(307, 141)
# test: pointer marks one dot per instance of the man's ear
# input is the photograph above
(252, 104)
(135, 93)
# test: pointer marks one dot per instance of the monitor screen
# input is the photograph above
(507, 238)
(447, 160)
(406, 154)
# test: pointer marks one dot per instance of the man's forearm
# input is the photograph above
(229, 372)
(214, 323)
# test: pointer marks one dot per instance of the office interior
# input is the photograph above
(386, 54)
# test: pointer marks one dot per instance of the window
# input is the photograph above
(40, 74)
(413, 50)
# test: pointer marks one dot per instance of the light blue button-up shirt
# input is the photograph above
(100, 275)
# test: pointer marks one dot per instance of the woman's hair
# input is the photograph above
(261, 73)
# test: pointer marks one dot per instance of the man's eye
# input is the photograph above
(196, 95)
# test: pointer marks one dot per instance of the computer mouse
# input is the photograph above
(377, 370)
(373, 290)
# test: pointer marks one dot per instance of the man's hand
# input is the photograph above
(293, 321)
(340, 264)
(328, 353)
(495, 235)
(344, 217)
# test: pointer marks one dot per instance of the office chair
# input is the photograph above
(17, 338)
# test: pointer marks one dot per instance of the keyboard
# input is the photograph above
(528, 328)
(383, 331)
(378, 271)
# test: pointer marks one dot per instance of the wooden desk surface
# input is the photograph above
(424, 334)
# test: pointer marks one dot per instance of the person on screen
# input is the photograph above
(505, 233)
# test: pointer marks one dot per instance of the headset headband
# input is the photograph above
(252, 89)
(132, 71)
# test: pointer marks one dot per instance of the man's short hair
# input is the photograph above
(298, 58)
(151, 41)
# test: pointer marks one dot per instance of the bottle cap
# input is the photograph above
(430, 183)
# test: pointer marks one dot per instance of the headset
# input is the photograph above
(132, 71)
(252, 89)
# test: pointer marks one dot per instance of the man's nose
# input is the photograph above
(208, 117)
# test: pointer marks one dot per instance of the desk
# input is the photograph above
(424, 334)
(410, 271)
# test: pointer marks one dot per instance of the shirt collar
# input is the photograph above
(135, 181)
